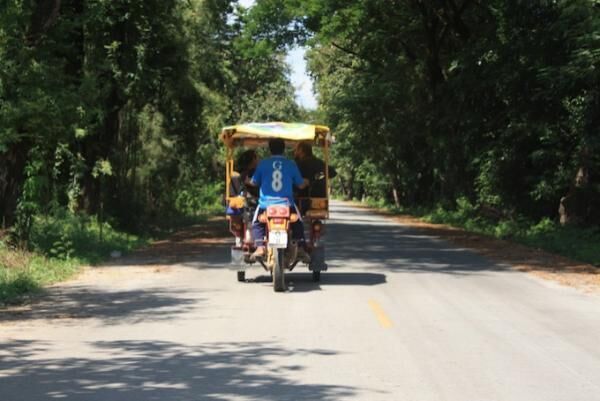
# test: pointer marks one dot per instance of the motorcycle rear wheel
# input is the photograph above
(316, 276)
(278, 270)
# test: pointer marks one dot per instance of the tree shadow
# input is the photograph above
(392, 246)
(209, 240)
(153, 371)
(113, 307)
(354, 237)
(359, 238)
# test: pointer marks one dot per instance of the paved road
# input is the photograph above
(399, 316)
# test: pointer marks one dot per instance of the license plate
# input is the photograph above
(278, 239)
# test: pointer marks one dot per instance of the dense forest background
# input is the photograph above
(112, 108)
(494, 104)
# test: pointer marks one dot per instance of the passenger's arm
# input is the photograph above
(249, 182)
(304, 184)
(256, 178)
(297, 178)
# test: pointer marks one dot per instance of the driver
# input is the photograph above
(276, 176)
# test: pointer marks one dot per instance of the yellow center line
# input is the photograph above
(384, 320)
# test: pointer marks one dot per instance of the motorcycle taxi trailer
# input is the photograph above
(281, 252)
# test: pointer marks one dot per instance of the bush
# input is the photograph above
(199, 198)
(66, 236)
(575, 242)
(59, 245)
(578, 243)
(23, 272)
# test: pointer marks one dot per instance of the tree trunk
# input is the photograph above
(579, 205)
(343, 185)
(573, 209)
(44, 15)
(12, 164)
(349, 187)
(396, 197)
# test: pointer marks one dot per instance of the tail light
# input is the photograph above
(278, 211)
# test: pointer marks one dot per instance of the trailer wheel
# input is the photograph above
(241, 276)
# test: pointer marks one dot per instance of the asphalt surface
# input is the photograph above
(398, 316)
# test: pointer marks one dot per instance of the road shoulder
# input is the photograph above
(104, 283)
(539, 263)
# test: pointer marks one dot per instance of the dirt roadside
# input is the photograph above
(61, 300)
(534, 261)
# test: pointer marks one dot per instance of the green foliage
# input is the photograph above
(28, 204)
(112, 108)
(14, 285)
(432, 101)
(373, 184)
(23, 273)
(102, 168)
(77, 237)
(60, 244)
(199, 198)
(581, 244)
(577, 243)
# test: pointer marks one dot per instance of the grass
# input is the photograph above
(61, 243)
(24, 273)
(59, 246)
(66, 236)
(578, 243)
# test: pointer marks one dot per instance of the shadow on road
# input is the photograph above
(355, 238)
(162, 371)
(390, 246)
(112, 307)
(208, 242)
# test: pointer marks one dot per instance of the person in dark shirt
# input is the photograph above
(246, 165)
(313, 169)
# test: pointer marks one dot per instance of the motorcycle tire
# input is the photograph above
(278, 270)
(316, 276)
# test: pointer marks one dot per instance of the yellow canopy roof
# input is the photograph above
(265, 131)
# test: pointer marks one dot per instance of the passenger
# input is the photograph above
(312, 168)
(246, 165)
(276, 177)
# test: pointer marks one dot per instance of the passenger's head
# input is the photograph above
(303, 150)
(276, 146)
(247, 160)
